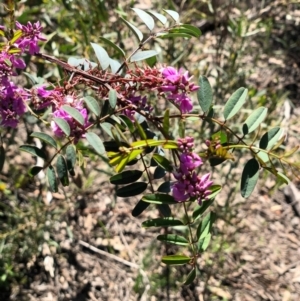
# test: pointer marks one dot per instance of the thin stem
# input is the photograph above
(190, 232)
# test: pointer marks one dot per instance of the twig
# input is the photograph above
(128, 263)
(114, 257)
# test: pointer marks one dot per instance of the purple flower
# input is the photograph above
(7, 64)
(186, 144)
(138, 101)
(179, 192)
(77, 130)
(171, 74)
(177, 83)
(31, 34)
(42, 92)
(188, 162)
(189, 185)
(183, 101)
(12, 105)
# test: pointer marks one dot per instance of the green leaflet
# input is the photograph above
(33, 150)
(146, 18)
(95, 142)
(126, 177)
(139, 208)
(92, 104)
(254, 120)
(175, 259)
(162, 222)
(62, 170)
(143, 55)
(235, 103)
(132, 189)
(204, 94)
(45, 137)
(52, 179)
(173, 239)
(249, 177)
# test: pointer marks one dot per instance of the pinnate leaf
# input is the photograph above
(128, 123)
(183, 31)
(128, 158)
(17, 34)
(151, 61)
(166, 144)
(107, 127)
(283, 178)
(82, 64)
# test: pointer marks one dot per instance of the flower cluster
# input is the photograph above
(11, 104)
(31, 34)
(189, 185)
(56, 98)
(12, 98)
(8, 62)
(140, 102)
(77, 130)
(177, 84)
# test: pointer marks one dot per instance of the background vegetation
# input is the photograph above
(46, 240)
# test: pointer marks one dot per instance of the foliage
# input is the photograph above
(104, 107)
